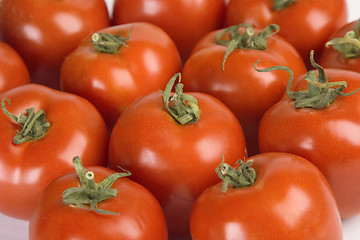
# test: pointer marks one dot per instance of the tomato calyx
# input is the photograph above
(109, 43)
(246, 40)
(243, 176)
(281, 4)
(349, 45)
(182, 107)
(90, 192)
(34, 125)
(319, 94)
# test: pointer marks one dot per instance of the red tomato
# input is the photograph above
(343, 49)
(44, 32)
(136, 212)
(185, 21)
(13, 71)
(290, 199)
(325, 136)
(111, 81)
(26, 167)
(306, 24)
(175, 162)
(246, 92)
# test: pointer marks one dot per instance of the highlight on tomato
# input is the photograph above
(222, 65)
(342, 51)
(119, 64)
(96, 203)
(318, 119)
(171, 143)
(44, 32)
(306, 24)
(41, 130)
(268, 196)
(13, 71)
(186, 21)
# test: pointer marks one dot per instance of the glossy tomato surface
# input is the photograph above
(44, 32)
(111, 81)
(306, 24)
(13, 71)
(331, 58)
(246, 92)
(175, 162)
(185, 21)
(326, 137)
(290, 199)
(76, 128)
(140, 215)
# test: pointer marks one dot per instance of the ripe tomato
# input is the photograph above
(290, 199)
(13, 71)
(111, 81)
(44, 32)
(325, 136)
(174, 161)
(234, 81)
(185, 21)
(33, 156)
(306, 24)
(131, 212)
(342, 49)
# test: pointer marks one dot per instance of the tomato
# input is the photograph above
(185, 21)
(129, 211)
(306, 24)
(13, 71)
(146, 59)
(341, 51)
(323, 131)
(290, 199)
(175, 161)
(231, 77)
(56, 127)
(44, 32)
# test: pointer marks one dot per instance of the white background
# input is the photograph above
(13, 229)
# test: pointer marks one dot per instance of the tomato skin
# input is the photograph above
(140, 217)
(290, 199)
(306, 24)
(175, 162)
(331, 58)
(44, 32)
(247, 93)
(325, 137)
(185, 21)
(76, 128)
(13, 71)
(112, 81)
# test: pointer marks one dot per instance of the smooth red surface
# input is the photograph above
(290, 199)
(246, 92)
(25, 169)
(327, 137)
(175, 162)
(44, 32)
(113, 81)
(140, 215)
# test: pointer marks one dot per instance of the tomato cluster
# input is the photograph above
(202, 119)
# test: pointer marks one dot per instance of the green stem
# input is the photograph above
(182, 107)
(349, 45)
(246, 40)
(319, 94)
(90, 192)
(281, 4)
(242, 177)
(34, 126)
(108, 43)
